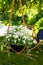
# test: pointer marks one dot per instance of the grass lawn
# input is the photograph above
(14, 59)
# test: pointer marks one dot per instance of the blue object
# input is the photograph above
(40, 34)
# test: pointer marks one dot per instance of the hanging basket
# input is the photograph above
(17, 48)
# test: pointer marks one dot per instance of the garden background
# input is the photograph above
(16, 13)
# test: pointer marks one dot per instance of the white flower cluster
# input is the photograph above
(19, 35)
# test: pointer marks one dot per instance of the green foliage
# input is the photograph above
(16, 20)
(27, 5)
(35, 18)
(38, 25)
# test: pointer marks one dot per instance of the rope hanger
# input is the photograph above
(10, 18)
(22, 13)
